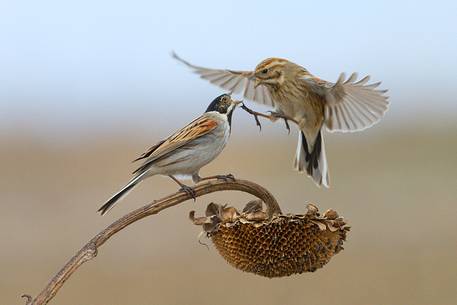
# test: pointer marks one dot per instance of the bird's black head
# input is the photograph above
(220, 104)
(224, 105)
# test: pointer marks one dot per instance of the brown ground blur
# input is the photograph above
(398, 191)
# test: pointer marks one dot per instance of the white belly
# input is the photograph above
(188, 160)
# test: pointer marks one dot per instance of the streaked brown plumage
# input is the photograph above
(186, 151)
(309, 101)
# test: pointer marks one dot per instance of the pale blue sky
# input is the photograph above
(67, 65)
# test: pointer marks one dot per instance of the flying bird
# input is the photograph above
(186, 151)
(312, 103)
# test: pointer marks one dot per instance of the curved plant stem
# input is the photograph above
(89, 250)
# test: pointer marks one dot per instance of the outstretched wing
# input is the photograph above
(240, 82)
(195, 129)
(350, 105)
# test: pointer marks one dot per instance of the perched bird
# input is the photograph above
(186, 151)
(297, 95)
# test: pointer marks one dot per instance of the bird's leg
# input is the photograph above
(196, 178)
(226, 178)
(286, 118)
(184, 188)
(274, 116)
(256, 115)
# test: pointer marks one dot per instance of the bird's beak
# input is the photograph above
(257, 82)
(233, 105)
(237, 103)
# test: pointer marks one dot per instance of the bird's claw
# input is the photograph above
(189, 191)
(226, 178)
(276, 115)
(254, 114)
(286, 121)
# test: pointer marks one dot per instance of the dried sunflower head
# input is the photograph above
(275, 247)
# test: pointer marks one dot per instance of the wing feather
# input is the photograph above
(240, 82)
(362, 109)
(358, 114)
(350, 105)
(195, 129)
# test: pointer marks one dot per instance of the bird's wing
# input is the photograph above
(195, 129)
(350, 105)
(240, 82)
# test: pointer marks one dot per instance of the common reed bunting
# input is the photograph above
(297, 95)
(186, 151)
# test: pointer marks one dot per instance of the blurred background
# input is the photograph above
(85, 87)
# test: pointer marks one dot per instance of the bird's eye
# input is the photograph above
(264, 71)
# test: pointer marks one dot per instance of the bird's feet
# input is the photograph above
(277, 115)
(226, 178)
(189, 191)
(274, 116)
(255, 114)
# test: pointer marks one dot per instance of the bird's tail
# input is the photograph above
(118, 196)
(314, 162)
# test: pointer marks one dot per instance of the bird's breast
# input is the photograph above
(299, 103)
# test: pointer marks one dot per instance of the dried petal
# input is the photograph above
(257, 216)
(229, 214)
(197, 221)
(312, 209)
(213, 209)
(253, 206)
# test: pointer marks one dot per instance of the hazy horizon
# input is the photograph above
(65, 68)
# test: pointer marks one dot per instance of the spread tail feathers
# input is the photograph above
(314, 162)
(113, 200)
